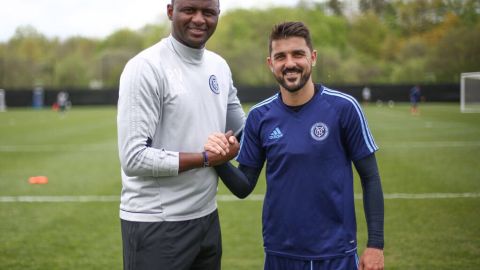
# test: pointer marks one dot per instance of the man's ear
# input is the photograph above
(269, 63)
(314, 58)
(170, 11)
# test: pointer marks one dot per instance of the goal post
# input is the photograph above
(470, 92)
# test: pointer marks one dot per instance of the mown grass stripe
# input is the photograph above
(104, 147)
(225, 197)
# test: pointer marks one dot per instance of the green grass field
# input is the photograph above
(429, 166)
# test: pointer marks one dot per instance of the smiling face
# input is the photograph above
(291, 62)
(193, 21)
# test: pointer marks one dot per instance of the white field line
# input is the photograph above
(224, 198)
(113, 146)
(431, 144)
(58, 199)
(58, 147)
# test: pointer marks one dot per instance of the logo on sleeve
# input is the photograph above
(319, 131)
(212, 81)
(276, 134)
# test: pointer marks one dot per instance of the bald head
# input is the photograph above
(193, 21)
(218, 3)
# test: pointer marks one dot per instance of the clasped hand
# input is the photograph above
(221, 147)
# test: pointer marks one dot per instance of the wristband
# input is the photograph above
(205, 159)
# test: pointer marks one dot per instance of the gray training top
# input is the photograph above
(171, 98)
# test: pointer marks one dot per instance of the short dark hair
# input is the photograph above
(173, 2)
(290, 29)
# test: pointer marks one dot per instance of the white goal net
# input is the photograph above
(470, 92)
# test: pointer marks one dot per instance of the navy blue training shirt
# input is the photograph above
(308, 212)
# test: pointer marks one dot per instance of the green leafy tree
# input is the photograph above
(72, 71)
(367, 35)
(376, 6)
(27, 54)
(458, 51)
(152, 34)
(3, 69)
(389, 41)
(123, 39)
(242, 38)
(336, 7)
(114, 53)
(74, 63)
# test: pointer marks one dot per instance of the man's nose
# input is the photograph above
(198, 18)
(289, 62)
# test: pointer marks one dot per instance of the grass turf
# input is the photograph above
(436, 152)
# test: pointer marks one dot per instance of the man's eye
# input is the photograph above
(188, 10)
(299, 55)
(210, 13)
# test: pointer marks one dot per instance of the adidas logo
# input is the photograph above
(276, 134)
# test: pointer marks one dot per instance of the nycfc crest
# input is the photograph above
(214, 84)
(319, 131)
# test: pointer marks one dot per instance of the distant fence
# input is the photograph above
(397, 93)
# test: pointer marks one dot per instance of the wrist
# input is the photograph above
(379, 247)
(206, 163)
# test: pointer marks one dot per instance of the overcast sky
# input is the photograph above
(95, 18)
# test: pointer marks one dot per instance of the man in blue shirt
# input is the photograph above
(415, 95)
(308, 135)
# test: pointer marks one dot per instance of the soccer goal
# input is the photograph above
(470, 92)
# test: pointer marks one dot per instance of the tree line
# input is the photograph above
(385, 42)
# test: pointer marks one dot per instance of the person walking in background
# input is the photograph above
(172, 96)
(366, 95)
(308, 135)
(415, 96)
(3, 104)
(62, 101)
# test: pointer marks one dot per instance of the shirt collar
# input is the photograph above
(187, 54)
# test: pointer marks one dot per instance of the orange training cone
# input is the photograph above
(38, 180)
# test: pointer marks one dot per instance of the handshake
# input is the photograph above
(221, 148)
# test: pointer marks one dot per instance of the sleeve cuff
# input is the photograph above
(167, 163)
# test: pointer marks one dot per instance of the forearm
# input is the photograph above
(374, 213)
(188, 161)
(162, 163)
(240, 181)
(147, 161)
(372, 200)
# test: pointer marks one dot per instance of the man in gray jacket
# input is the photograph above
(173, 95)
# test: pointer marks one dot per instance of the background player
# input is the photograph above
(415, 96)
